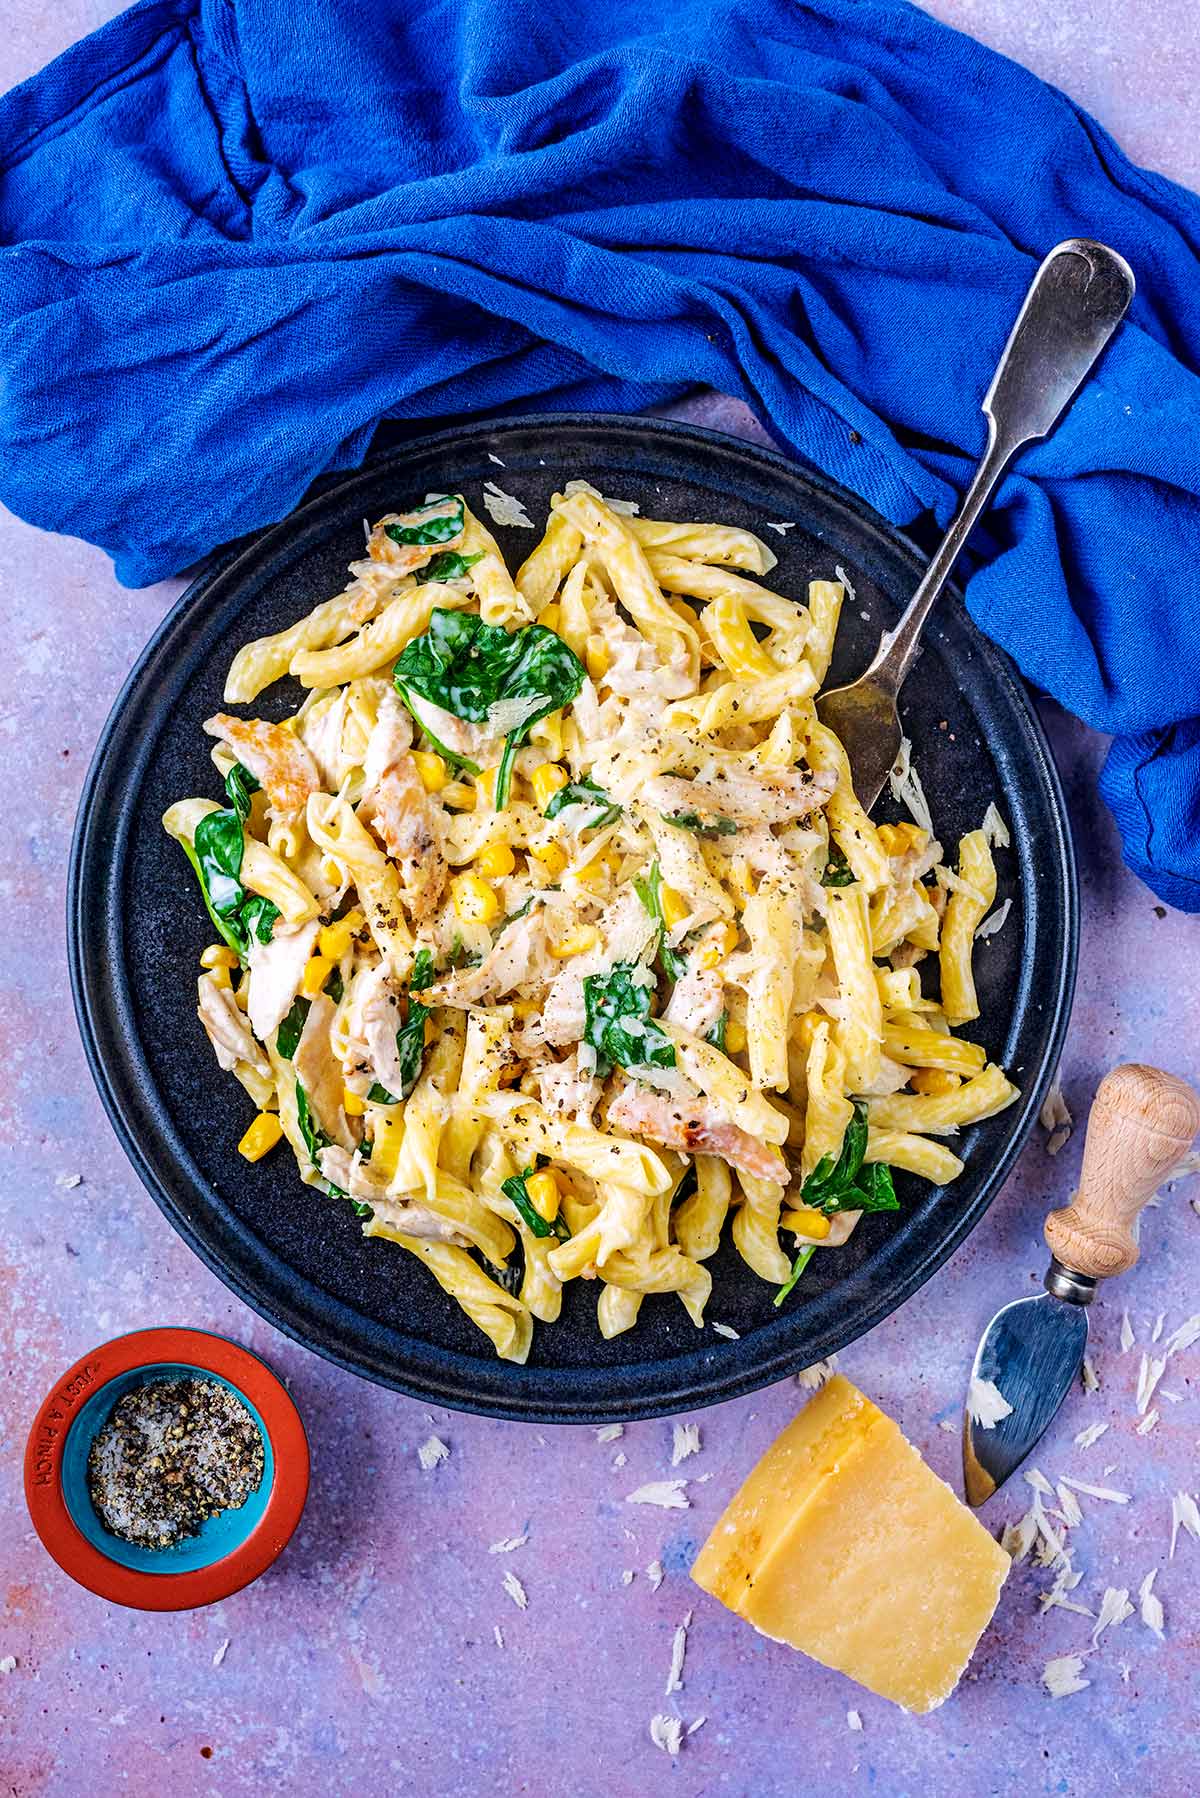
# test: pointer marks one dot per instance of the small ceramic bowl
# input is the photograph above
(230, 1550)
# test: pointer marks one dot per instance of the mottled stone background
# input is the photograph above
(365, 1663)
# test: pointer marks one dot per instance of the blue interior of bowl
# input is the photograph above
(218, 1537)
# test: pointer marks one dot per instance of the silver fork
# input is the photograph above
(1077, 299)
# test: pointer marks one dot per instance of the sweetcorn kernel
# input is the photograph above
(261, 1137)
(543, 1194)
(432, 769)
(474, 900)
(316, 972)
(496, 861)
(813, 1224)
(735, 1037)
(334, 939)
(550, 859)
(933, 1082)
(353, 1104)
(575, 942)
(719, 943)
(597, 658)
(675, 907)
(524, 1008)
(219, 975)
(218, 955)
(806, 1028)
(548, 780)
(485, 789)
(600, 870)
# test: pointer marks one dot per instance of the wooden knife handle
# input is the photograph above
(1142, 1121)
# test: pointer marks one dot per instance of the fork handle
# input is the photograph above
(1075, 302)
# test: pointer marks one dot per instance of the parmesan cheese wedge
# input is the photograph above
(843, 1543)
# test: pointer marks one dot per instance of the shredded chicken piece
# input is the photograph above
(564, 1088)
(322, 733)
(375, 1016)
(320, 1072)
(517, 958)
(696, 1002)
(767, 796)
(408, 819)
(695, 1126)
(226, 1027)
(343, 1169)
(406, 558)
(276, 757)
(276, 970)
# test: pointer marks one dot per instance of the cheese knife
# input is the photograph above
(1142, 1122)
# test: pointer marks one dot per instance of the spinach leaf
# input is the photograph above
(798, 1266)
(240, 784)
(716, 1035)
(448, 565)
(585, 792)
(466, 667)
(838, 872)
(613, 1002)
(216, 854)
(423, 973)
(649, 891)
(288, 1035)
(335, 986)
(315, 1140)
(410, 1038)
(717, 827)
(515, 1188)
(845, 1185)
(430, 523)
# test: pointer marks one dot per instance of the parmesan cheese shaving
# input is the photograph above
(669, 1495)
(654, 1573)
(1055, 1118)
(666, 1733)
(678, 1651)
(507, 1545)
(610, 1432)
(1183, 1337)
(853, 1720)
(811, 1378)
(685, 1441)
(1068, 1506)
(627, 508)
(1150, 1373)
(222, 1651)
(516, 1591)
(905, 784)
(1183, 1515)
(1150, 1604)
(431, 1452)
(996, 922)
(1105, 1492)
(995, 829)
(782, 527)
(727, 1331)
(1061, 1675)
(1087, 1373)
(1127, 1336)
(502, 508)
(1157, 1331)
(1147, 1424)
(986, 1403)
(1114, 1608)
(1092, 1434)
(498, 1635)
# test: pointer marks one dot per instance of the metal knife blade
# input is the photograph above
(1032, 1351)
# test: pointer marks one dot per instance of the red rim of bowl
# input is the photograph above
(59, 1533)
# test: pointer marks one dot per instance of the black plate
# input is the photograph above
(136, 928)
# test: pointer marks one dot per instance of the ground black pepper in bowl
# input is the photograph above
(173, 1454)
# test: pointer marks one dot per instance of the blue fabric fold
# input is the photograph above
(237, 237)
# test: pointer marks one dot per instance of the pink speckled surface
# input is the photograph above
(365, 1662)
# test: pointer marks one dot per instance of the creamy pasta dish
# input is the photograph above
(549, 932)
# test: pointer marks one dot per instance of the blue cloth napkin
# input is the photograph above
(237, 236)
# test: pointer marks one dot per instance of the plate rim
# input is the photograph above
(690, 1384)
